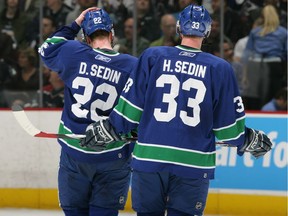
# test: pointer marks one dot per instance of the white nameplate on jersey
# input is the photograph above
(196, 70)
(99, 71)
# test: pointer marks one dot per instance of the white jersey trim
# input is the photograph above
(228, 126)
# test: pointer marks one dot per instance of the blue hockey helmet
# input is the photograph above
(96, 20)
(194, 20)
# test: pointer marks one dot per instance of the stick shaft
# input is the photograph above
(27, 125)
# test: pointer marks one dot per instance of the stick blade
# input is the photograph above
(23, 120)
(27, 125)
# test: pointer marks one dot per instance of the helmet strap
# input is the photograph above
(83, 36)
(178, 31)
(87, 39)
(112, 37)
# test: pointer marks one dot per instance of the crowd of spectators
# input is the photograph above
(253, 42)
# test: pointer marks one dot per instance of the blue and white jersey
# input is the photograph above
(180, 99)
(94, 79)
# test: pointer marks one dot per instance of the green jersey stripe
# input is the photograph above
(178, 156)
(55, 40)
(128, 110)
(188, 49)
(125, 117)
(107, 53)
(123, 98)
(74, 143)
(232, 131)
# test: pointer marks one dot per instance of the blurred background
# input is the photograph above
(260, 63)
(250, 34)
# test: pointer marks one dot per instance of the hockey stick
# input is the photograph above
(27, 125)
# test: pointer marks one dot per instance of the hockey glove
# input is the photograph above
(257, 143)
(98, 135)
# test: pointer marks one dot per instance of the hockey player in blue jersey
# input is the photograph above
(90, 182)
(180, 99)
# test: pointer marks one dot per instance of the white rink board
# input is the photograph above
(32, 163)
(28, 162)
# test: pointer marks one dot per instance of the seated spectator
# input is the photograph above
(214, 37)
(121, 13)
(163, 7)
(7, 51)
(30, 8)
(278, 103)
(58, 9)
(46, 76)
(53, 93)
(81, 5)
(242, 42)
(24, 85)
(54, 10)
(147, 20)
(14, 23)
(249, 12)
(6, 69)
(48, 27)
(55, 97)
(168, 27)
(228, 56)
(265, 56)
(129, 4)
(125, 45)
(179, 5)
(232, 21)
(282, 13)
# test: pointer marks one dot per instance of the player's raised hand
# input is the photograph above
(80, 18)
(257, 143)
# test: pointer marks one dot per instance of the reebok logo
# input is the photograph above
(102, 133)
(185, 53)
(102, 58)
(253, 146)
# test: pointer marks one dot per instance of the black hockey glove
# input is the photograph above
(257, 143)
(98, 135)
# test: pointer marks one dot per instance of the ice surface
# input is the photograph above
(36, 212)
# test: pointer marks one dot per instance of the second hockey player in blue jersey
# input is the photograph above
(90, 182)
(180, 99)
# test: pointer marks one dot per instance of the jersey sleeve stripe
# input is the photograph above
(232, 131)
(228, 126)
(131, 104)
(74, 143)
(125, 117)
(129, 111)
(184, 157)
(55, 40)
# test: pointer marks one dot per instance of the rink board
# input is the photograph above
(242, 185)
